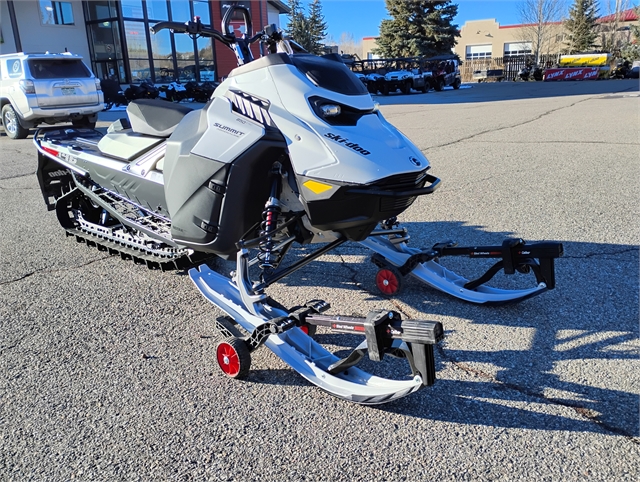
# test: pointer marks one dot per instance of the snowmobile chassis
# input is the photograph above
(139, 234)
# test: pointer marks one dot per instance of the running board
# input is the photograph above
(338, 377)
(514, 255)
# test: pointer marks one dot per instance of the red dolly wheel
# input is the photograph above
(388, 280)
(234, 357)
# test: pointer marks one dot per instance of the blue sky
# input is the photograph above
(362, 17)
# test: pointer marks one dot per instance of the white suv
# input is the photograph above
(47, 88)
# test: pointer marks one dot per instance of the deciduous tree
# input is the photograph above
(538, 17)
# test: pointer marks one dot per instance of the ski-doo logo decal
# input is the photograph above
(415, 161)
(229, 130)
(346, 143)
(60, 173)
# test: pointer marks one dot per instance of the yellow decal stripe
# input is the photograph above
(316, 187)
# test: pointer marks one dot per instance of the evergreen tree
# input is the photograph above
(297, 28)
(418, 27)
(581, 25)
(631, 51)
(307, 30)
(317, 27)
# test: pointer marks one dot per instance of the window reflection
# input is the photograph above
(157, 10)
(162, 57)
(180, 11)
(136, 37)
(132, 8)
(56, 13)
(184, 47)
(205, 48)
(101, 9)
(201, 9)
(161, 44)
(105, 40)
(139, 70)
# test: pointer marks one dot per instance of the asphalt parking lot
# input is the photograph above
(107, 369)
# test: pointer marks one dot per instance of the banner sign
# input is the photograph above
(584, 60)
(584, 73)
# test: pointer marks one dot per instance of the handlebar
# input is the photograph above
(193, 28)
(226, 20)
(269, 35)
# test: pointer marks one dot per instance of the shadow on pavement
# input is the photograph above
(577, 337)
(501, 91)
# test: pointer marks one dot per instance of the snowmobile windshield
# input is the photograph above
(329, 74)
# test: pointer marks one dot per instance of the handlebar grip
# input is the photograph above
(175, 26)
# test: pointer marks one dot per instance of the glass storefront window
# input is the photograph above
(101, 9)
(184, 47)
(201, 9)
(105, 40)
(157, 10)
(163, 70)
(205, 48)
(207, 71)
(161, 44)
(136, 37)
(132, 8)
(186, 71)
(180, 11)
(110, 70)
(140, 70)
(56, 13)
(162, 57)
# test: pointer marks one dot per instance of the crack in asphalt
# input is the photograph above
(48, 270)
(544, 114)
(18, 176)
(498, 129)
(580, 410)
(2, 188)
(538, 142)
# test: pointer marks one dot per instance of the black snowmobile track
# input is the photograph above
(181, 261)
(140, 235)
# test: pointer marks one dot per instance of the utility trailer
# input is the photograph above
(488, 75)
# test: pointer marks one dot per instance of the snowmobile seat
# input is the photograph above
(156, 118)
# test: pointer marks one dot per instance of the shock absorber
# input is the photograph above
(268, 256)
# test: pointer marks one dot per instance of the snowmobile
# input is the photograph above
(290, 149)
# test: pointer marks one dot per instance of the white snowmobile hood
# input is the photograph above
(354, 154)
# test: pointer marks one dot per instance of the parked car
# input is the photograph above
(47, 88)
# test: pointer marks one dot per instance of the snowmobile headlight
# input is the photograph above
(330, 110)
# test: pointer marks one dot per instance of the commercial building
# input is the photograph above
(114, 38)
(487, 39)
